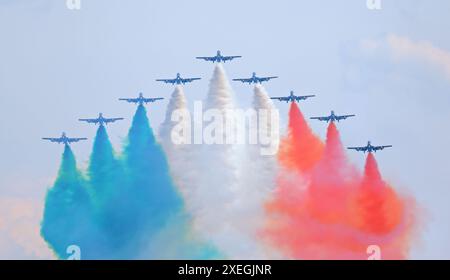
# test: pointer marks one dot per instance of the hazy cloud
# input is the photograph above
(19, 229)
(401, 47)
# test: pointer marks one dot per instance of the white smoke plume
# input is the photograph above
(179, 155)
(257, 173)
(258, 170)
(224, 184)
(215, 189)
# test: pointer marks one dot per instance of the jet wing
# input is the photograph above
(137, 100)
(167, 81)
(188, 80)
(378, 148)
(111, 120)
(359, 149)
(89, 120)
(55, 140)
(321, 118)
(244, 80)
(298, 98)
(344, 117)
(71, 140)
(206, 58)
(146, 100)
(131, 100)
(226, 58)
(265, 79)
(282, 98)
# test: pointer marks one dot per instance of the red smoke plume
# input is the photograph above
(301, 149)
(378, 207)
(330, 211)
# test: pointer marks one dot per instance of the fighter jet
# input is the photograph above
(141, 99)
(218, 58)
(101, 120)
(332, 117)
(369, 148)
(292, 97)
(64, 139)
(178, 80)
(255, 80)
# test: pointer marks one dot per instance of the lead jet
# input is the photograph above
(141, 99)
(178, 80)
(101, 120)
(292, 97)
(369, 148)
(218, 58)
(64, 139)
(255, 80)
(332, 117)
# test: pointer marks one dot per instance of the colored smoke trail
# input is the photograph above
(208, 174)
(130, 207)
(151, 190)
(379, 208)
(257, 175)
(106, 184)
(380, 212)
(158, 212)
(216, 162)
(336, 213)
(179, 153)
(136, 210)
(301, 149)
(313, 211)
(104, 171)
(148, 198)
(67, 216)
(181, 157)
(332, 180)
(214, 173)
(299, 152)
(259, 169)
(220, 94)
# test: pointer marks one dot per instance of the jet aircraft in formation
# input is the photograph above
(218, 58)
(178, 80)
(255, 79)
(292, 97)
(332, 117)
(64, 139)
(141, 99)
(101, 120)
(369, 148)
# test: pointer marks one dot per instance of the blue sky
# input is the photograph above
(391, 67)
